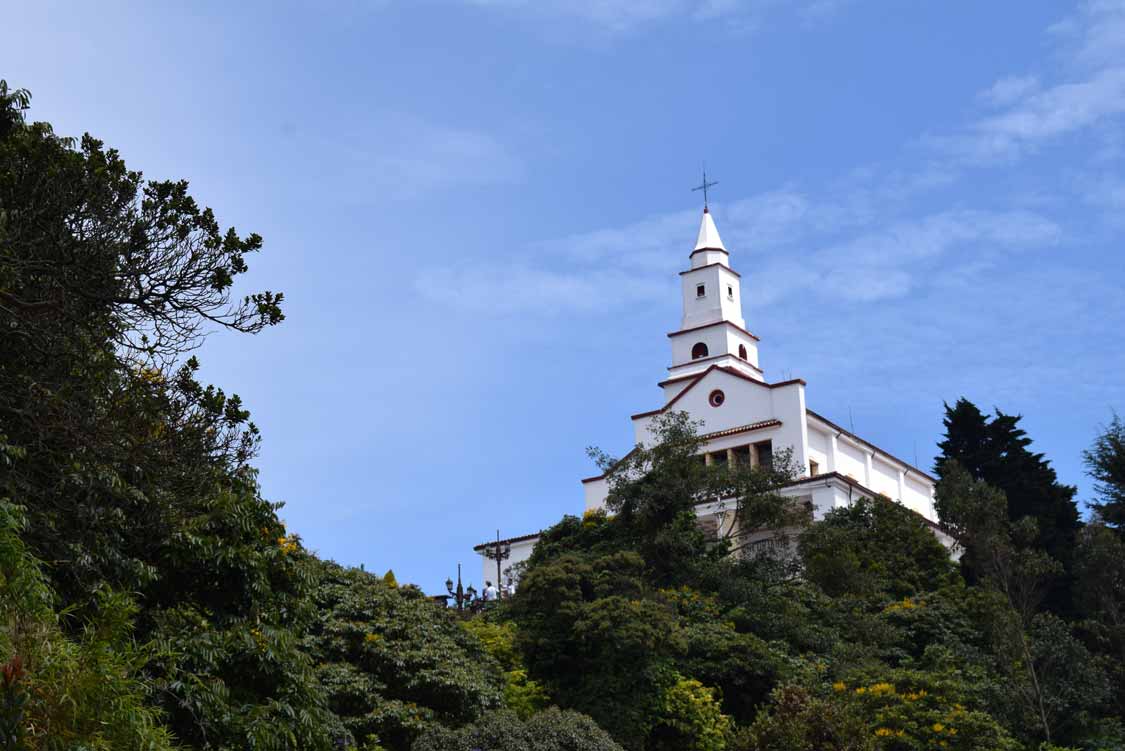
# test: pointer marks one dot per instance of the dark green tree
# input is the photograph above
(134, 475)
(798, 720)
(1105, 462)
(57, 690)
(875, 549)
(394, 662)
(551, 730)
(997, 451)
(1053, 688)
(1100, 598)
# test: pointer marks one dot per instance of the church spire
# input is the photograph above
(712, 331)
(709, 234)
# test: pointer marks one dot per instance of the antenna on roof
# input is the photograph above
(915, 452)
(851, 420)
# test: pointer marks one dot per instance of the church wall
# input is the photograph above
(789, 407)
(818, 449)
(884, 478)
(851, 461)
(714, 337)
(715, 305)
(672, 390)
(745, 403)
(919, 496)
(595, 491)
(734, 338)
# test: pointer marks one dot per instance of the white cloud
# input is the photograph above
(891, 262)
(1053, 112)
(1093, 51)
(1095, 36)
(626, 15)
(790, 246)
(615, 15)
(1009, 90)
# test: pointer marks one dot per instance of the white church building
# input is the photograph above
(715, 377)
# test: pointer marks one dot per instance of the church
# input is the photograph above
(716, 378)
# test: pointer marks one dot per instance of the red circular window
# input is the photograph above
(716, 398)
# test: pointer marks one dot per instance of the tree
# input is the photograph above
(655, 489)
(691, 719)
(135, 476)
(393, 662)
(615, 613)
(938, 707)
(1052, 682)
(1105, 462)
(996, 451)
(522, 695)
(875, 549)
(599, 637)
(798, 720)
(550, 730)
(1100, 597)
(56, 691)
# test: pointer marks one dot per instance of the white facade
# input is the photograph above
(715, 377)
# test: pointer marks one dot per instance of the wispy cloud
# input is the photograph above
(626, 15)
(792, 246)
(1010, 90)
(861, 239)
(1089, 92)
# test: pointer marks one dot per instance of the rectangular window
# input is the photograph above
(719, 457)
(742, 456)
(730, 292)
(700, 290)
(764, 450)
(814, 468)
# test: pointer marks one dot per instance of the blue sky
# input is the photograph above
(477, 209)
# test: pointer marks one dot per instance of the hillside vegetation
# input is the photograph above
(151, 598)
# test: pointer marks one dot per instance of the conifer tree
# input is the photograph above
(1105, 462)
(997, 451)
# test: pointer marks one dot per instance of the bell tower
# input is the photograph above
(712, 330)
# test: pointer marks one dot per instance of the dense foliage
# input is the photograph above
(552, 730)
(133, 477)
(393, 662)
(673, 638)
(150, 597)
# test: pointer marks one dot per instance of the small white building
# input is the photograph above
(716, 379)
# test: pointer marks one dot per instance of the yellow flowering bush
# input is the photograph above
(910, 710)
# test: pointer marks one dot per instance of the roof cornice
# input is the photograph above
(709, 250)
(709, 265)
(673, 334)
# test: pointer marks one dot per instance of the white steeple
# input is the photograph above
(709, 248)
(712, 331)
(709, 234)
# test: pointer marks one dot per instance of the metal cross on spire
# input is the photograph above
(704, 187)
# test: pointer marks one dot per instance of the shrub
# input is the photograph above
(692, 719)
(550, 730)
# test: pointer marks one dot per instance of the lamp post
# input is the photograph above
(498, 552)
(460, 595)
